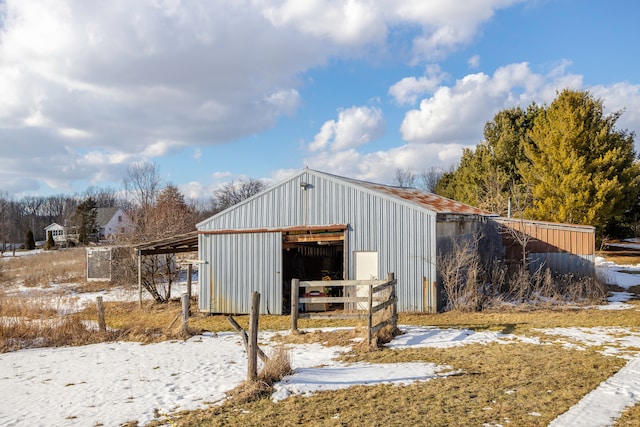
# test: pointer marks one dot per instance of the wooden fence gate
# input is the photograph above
(379, 296)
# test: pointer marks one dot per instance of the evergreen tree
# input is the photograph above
(580, 168)
(488, 175)
(29, 242)
(84, 220)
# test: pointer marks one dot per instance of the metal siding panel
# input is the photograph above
(203, 275)
(242, 263)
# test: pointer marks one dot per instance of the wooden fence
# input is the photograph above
(378, 296)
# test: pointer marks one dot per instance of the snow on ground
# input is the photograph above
(427, 336)
(621, 342)
(310, 380)
(605, 404)
(624, 276)
(112, 383)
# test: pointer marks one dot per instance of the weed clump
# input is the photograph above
(277, 367)
(473, 285)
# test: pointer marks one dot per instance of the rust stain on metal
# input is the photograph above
(430, 201)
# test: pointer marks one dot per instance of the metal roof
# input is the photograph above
(182, 243)
(433, 202)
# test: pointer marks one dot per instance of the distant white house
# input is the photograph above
(57, 231)
(112, 221)
(109, 221)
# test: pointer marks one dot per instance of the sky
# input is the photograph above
(219, 91)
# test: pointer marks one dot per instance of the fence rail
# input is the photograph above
(380, 292)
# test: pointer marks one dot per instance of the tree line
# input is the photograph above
(157, 210)
(565, 162)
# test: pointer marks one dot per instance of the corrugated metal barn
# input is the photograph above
(316, 225)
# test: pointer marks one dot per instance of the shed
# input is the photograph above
(563, 248)
(315, 226)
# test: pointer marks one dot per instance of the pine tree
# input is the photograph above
(581, 169)
(84, 220)
(488, 175)
(29, 242)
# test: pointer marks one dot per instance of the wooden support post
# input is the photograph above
(295, 296)
(245, 338)
(139, 280)
(370, 316)
(252, 351)
(394, 307)
(189, 273)
(185, 315)
(102, 325)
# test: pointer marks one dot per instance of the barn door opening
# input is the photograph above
(312, 254)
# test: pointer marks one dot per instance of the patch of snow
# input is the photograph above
(605, 404)
(306, 381)
(428, 336)
(621, 275)
(621, 342)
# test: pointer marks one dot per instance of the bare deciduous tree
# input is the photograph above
(404, 178)
(236, 191)
(429, 179)
(142, 183)
(168, 216)
(104, 197)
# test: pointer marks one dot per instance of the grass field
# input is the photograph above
(492, 384)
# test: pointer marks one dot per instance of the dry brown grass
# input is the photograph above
(621, 256)
(65, 265)
(277, 367)
(629, 417)
(18, 333)
(498, 384)
(520, 321)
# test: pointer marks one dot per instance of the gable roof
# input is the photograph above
(424, 199)
(417, 198)
(53, 225)
(104, 215)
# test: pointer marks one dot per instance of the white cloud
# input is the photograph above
(446, 24)
(161, 148)
(73, 133)
(344, 22)
(407, 90)
(132, 76)
(454, 117)
(442, 25)
(474, 61)
(355, 126)
(124, 80)
(457, 113)
(195, 191)
(624, 97)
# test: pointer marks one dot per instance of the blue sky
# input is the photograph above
(214, 92)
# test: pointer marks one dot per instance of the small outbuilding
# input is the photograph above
(57, 231)
(316, 226)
